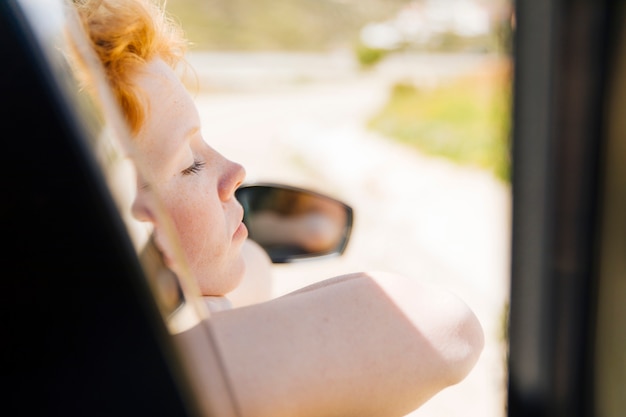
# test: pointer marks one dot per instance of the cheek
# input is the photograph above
(197, 222)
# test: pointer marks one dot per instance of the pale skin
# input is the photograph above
(365, 344)
(358, 345)
(194, 182)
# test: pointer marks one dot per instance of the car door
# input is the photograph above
(566, 331)
(82, 332)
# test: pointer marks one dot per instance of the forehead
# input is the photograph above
(170, 115)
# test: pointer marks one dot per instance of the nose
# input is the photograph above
(233, 176)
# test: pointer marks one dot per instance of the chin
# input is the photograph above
(228, 281)
(237, 275)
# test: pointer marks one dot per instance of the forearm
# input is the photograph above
(359, 345)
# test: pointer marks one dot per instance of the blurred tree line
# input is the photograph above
(277, 25)
(467, 122)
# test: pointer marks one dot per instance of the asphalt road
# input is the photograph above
(300, 120)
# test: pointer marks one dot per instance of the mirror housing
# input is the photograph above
(292, 223)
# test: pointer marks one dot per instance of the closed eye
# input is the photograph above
(194, 168)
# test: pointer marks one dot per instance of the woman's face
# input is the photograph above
(195, 184)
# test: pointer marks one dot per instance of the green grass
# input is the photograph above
(466, 121)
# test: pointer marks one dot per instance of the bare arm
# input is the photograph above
(357, 345)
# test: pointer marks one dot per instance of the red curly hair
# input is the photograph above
(126, 34)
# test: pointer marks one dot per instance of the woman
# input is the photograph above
(365, 344)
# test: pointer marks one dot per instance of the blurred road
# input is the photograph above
(300, 120)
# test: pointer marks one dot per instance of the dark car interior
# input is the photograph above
(566, 332)
(84, 333)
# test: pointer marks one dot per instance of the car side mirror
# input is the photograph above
(292, 224)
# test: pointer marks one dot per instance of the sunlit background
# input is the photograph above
(399, 108)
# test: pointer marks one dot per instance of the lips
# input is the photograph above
(241, 231)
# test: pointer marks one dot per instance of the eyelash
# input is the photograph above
(194, 168)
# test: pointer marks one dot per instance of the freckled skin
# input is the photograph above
(195, 185)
